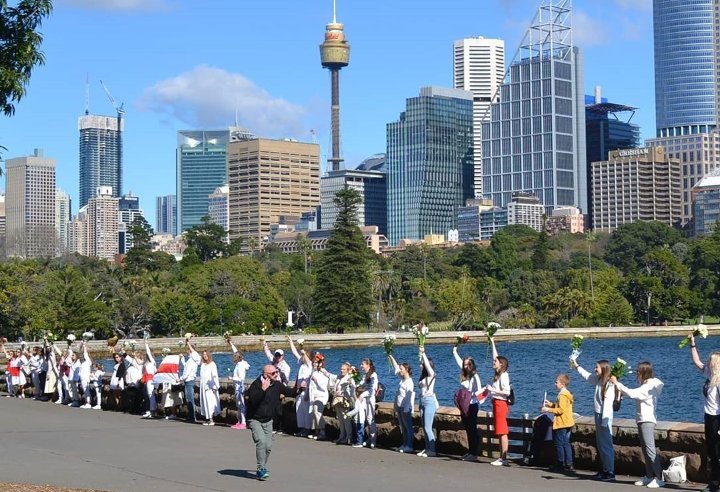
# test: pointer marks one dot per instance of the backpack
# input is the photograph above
(380, 392)
(511, 396)
(462, 399)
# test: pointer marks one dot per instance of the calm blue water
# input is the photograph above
(533, 367)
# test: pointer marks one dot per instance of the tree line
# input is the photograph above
(645, 272)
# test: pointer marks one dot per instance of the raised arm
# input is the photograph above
(458, 359)
(494, 349)
(694, 353)
(426, 364)
(234, 348)
(86, 355)
(266, 349)
(5, 352)
(394, 364)
(293, 349)
(148, 353)
(56, 349)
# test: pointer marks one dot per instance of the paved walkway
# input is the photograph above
(43, 443)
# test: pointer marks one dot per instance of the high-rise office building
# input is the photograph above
(429, 163)
(479, 220)
(100, 155)
(2, 219)
(535, 141)
(608, 127)
(687, 100)
(268, 179)
(166, 215)
(636, 184)
(102, 225)
(219, 207)
(706, 204)
(30, 207)
(63, 215)
(479, 67)
(128, 210)
(371, 185)
(201, 167)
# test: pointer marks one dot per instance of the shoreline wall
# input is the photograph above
(99, 348)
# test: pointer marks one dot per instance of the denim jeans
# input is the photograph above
(604, 443)
(469, 422)
(428, 408)
(563, 449)
(262, 437)
(190, 399)
(370, 420)
(406, 427)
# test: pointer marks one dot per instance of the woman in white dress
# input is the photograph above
(209, 386)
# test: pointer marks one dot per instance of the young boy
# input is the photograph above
(563, 424)
(358, 411)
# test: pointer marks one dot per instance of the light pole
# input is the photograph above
(649, 298)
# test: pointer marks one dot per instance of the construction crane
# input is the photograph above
(118, 108)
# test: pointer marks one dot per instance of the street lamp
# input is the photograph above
(649, 297)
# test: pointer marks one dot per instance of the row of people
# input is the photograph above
(354, 399)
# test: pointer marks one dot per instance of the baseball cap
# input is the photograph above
(279, 352)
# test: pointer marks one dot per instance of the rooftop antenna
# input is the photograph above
(87, 94)
(334, 12)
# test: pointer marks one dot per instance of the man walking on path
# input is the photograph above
(263, 395)
(190, 367)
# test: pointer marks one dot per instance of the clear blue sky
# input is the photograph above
(189, 64)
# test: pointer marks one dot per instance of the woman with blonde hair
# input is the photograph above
(603, 405)
(711, 392)
(646, 397)
(344, 400)
(238, 378)
(209, 389)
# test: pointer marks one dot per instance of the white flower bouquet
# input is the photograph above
(388, 343)
(70, 339)
(88, 335)
(620, 368)
(166, 351)
(300, 343)
(700, 330)
(421, 332)
(575, 345)
(491, 329)
(188, 336)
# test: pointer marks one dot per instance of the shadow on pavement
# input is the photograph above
(251, 474)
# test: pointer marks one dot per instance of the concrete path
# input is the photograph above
(43, 443)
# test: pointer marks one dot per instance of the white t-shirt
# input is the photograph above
(239, 372)
(405, 396)
(712, 400)
(503, 385)
(319, 387)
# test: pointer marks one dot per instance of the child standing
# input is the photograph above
(357, 414)
(563, 423)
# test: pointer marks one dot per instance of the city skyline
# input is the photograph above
(269, 103)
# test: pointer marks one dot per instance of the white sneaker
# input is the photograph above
(422, 454)
(500, 462)
(643, 482)
(655, 484)
(87, 405)
(146, 415)
(56, 403)
(97, 407)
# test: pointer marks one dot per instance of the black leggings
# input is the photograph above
(469, 421)
(712, 446)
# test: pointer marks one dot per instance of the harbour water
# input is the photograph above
(533, 367)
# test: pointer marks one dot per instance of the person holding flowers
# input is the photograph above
(499, 391)
(302, 401)
(603, 408)
(711, 392)
(646, 397)
(404, 403)
(428, 402)
(318, 394)
(343, 400)
(191, 362)
(371, 384)
(470, 381)
(563, 423)
(238, 378)
(148, 373)
(209, 389)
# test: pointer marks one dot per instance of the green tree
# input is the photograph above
(208, 241)
(613, 309)
(541, 251)
(459, 299)
(343, 297)
(20, 52)
(630, 242)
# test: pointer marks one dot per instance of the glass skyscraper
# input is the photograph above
(201, 167)
(429, 163)
(685, 90)
(372, 186)
(100, 155)
(166, 215)
(535, 141)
